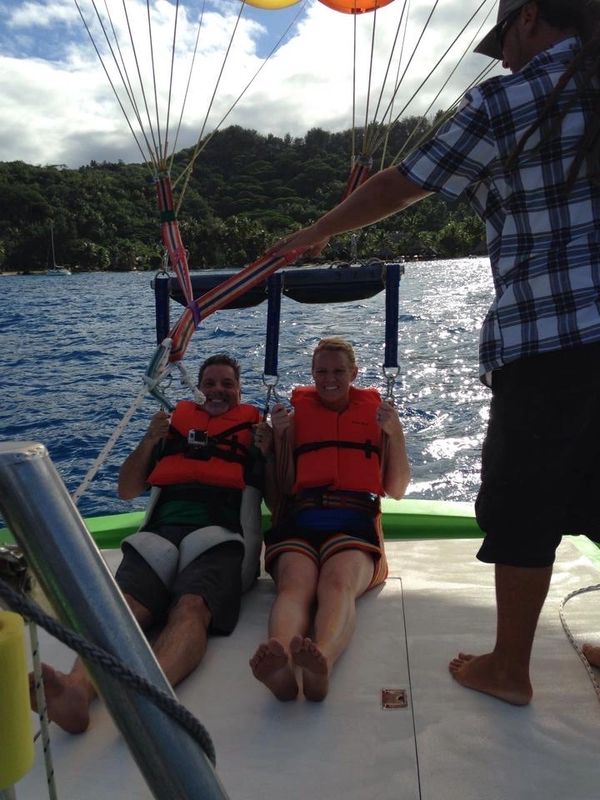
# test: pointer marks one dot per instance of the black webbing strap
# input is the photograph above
(366, 447)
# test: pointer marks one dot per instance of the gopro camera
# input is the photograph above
(197, 438)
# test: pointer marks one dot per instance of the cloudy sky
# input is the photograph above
(58, 107)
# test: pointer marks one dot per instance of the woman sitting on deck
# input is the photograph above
(337, 453)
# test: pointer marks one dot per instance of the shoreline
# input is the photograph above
(31, 272)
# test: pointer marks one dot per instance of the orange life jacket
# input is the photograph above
(337, 450)
(217, 456)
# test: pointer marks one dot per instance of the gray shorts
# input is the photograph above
(215, 576)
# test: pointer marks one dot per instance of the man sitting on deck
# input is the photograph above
(185, 568)
(524, 150)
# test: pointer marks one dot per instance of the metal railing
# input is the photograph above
(71, 571)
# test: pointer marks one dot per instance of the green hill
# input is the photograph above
(245, 192)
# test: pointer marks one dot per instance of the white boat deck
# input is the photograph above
(447, 743)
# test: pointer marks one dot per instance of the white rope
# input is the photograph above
(155, 373)
(190, 384)
(99, 461)
(571, 638)
(40, 698)
(158, 369)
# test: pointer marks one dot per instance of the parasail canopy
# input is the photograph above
(355, 6)
(271, 3)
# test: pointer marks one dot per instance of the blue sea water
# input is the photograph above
(74, 350)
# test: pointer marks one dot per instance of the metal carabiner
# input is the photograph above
(390, 376)
(271, 392)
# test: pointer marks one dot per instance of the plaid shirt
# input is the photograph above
(544, 245)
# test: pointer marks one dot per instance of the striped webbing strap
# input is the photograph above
(171, 238)
(221, 295)
(361, 171)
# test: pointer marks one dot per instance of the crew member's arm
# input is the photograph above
(386, 193)
(136, 467)
(396, 469)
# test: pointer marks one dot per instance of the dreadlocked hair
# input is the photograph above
(584, 17)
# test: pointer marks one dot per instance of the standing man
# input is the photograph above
(183, 570)
(524, 150)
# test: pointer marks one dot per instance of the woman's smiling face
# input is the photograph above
(333, 374)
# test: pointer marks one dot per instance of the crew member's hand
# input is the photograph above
(308, 240)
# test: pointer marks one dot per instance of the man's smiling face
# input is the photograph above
(221, 389)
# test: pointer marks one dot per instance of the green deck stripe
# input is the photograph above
(402, 519)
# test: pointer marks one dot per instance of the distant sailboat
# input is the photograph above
(55, 269)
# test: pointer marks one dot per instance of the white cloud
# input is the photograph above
(57, 106)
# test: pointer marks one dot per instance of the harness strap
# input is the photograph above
(219, 446)
(241, 426)
(355, 501)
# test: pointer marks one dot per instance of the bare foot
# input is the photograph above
(592, 653)
(484, 674)
(271, 666)
(315, 669)
(67, 701)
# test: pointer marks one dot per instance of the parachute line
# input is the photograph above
(200, 145)
(354, 91)
(436, 65)
(158, 144)
(188, 84)
(366, 127)
(208, 110)
(154, 151)
(390, 123)
(388, 67)
(108, 76)
(412, 55)
(172, 72)
(445, 116)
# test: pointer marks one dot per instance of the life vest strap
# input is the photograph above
(212, 450)
(367, 447)
(241, 426)
(220, 445)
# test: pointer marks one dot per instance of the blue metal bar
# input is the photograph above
(274, 287)
(392, 295)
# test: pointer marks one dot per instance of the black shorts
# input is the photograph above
(216, 576)
(540, 476)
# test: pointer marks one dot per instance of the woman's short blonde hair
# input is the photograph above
(335, 343)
